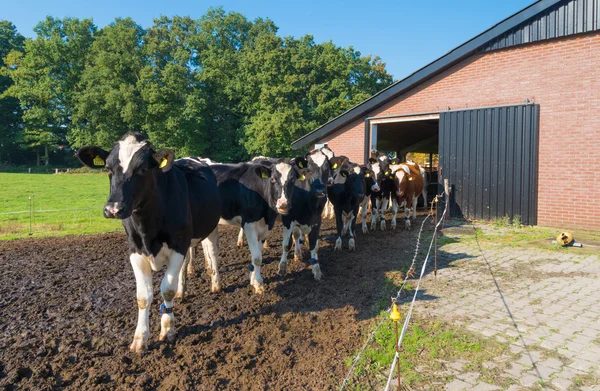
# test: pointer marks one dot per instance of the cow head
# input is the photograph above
(354, 180)
(281, 177)
(370, 179)
(311, 176)
(338, 164)
(381, 169)
(402, 177)
(133, 166)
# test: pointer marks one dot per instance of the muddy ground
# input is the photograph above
(68, 313)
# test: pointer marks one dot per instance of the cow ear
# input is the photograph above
(93, 157)
(301, 162)
(344, 173)
(164, 158)
(395, 161)
(372, 160)
(263, 172)
(335, 162)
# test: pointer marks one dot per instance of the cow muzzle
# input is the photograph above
(113, 210)
(330, 181)
(282, 206)
(376, 188)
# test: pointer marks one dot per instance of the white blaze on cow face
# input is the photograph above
(356, 169)
(127, 148)
(284, 201)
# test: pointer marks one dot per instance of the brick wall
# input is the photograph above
(563, 77)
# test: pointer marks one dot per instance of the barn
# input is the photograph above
(513, 114)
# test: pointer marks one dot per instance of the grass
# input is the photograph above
(63, 205)
(428, 346)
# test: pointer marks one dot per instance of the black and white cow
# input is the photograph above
(346, 195)
(308, 201)
(380, 199)
(252, 195)
(163, 205)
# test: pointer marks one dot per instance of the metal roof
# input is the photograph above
(544, 19)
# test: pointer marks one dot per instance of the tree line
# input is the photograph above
(221, 86)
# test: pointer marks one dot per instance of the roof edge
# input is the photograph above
(430, 70)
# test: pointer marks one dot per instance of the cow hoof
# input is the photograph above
(382, 225)
(265, 245)
(259, 289)
(179, 295)
(139, 344)
(338, 245)
(297, 258)
(191, 271)
(215, 288)
(282, 269)
(393, 226)
(351, 245)
(316, 269)
(168, 337)
(365, 229)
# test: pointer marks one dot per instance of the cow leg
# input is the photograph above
(339, 225)
(190, 263)
(287, 238)
(383, 209)
(143, 283)
(298, 241)
(424, 194)
(210, 245)
(313, 243)
(375, 215)
(331, 211)
(255, 246)
(351, 243)
(185, 271)
(414, 207)
(394, 211)
(406, 217)
(168, 287)
(240, 240)
(364, 215)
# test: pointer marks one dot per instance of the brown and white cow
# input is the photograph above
(409, 182)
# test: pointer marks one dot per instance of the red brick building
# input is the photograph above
(514, 114)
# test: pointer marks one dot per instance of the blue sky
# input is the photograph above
(405, 34)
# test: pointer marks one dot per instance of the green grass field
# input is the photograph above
(63, 205)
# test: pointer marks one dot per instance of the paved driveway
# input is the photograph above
(545, 304)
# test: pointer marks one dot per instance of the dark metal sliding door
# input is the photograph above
(490, 157)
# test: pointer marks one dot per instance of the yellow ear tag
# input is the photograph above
(367, 175)
(387, 173)
(302, 177)
(334, 166)
(163, 163)
(98, 161)
(264, 175)
(410, 178)
(300, 164)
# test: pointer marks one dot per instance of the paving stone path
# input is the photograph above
(545, 304)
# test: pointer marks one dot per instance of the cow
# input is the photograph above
(308, 202)
(346, 195)
(163, 204)
(252, 195)
(371, 186)
(380, 195)
(409, 181)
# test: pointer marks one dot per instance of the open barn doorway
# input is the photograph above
(415, 137)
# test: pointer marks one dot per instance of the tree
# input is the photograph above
(11, 43)
(108, 102)
(46, 78)
(168, 87)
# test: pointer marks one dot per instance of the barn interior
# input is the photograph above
(402, 137)
(418, 137)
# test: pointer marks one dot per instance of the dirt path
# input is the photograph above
(68, 313)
